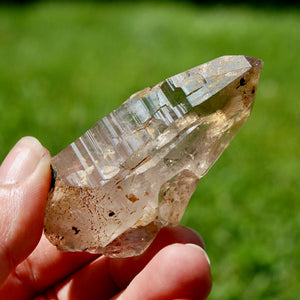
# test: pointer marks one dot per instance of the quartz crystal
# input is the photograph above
(136, 169)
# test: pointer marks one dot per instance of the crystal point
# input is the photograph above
(136, 169)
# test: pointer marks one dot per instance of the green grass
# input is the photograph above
(64, 66)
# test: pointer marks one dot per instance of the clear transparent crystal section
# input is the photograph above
(136, 169)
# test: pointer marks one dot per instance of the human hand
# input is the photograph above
(173, 267)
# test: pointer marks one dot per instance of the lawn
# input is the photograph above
(64, 66)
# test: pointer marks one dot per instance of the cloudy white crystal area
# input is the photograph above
(136, 169)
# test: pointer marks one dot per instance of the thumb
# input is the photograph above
(24, 184)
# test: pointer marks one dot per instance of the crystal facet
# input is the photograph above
(136, 169)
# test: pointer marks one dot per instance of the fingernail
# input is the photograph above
(201, 249)
(21, 161)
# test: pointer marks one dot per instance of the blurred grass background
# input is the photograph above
(63, 66)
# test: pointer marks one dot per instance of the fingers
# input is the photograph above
(123, 270)
(91, 282)
(173, 272)
(179, 271)
(182, 271)
(44, 267)
(24, 184)
(50, 266)
(104, 277)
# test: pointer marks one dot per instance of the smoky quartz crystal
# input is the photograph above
(136, 169)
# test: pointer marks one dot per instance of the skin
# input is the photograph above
(175, 266)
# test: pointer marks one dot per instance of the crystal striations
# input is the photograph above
(136, 169)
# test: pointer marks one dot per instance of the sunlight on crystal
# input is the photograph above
(136, 169)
